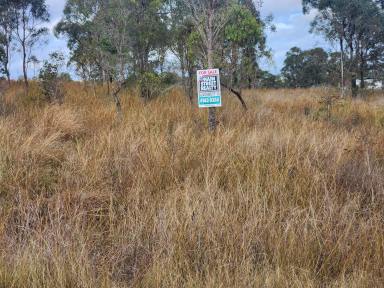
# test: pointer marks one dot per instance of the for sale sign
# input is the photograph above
(208, 86)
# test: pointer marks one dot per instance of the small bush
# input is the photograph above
(169, 78)
(50, 80)
(150, 85)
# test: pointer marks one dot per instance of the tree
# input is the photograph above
(209, 18)
(268, 80)
(184, 44)
(356, 23)
(305, 68)
(50, 81)
(29, 16)
(6, 30)
(245, 43)
(116, 40)
(224, 30)
(82, 27)
(241, 35)
(34, 61)
(334, 69)
(124, 40)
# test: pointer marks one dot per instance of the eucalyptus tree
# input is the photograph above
(29, 17)
(253, 46)
(332, 22)
(306, 68)
(115, 45)
(149, 38)
(244, 42)
(6, 28)
(116, 39)
(370, 39)
(221, 31)
(357, 25)
(98, 40)
(83, 31)
(209, 18)
(183, 43)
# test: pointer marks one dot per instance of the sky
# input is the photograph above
(292, 30)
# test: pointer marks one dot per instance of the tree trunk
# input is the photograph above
(342, 67)
(25, 75)
(362, 79)
(182, 68)
(354, 85)
(212, 124)
(116, 98)
(190, 84)
(7, 56)
(109, 83)
(362, 67)
(8, 35)
(24, 50)
(235, 59)
(143, 67)
(353, 74)
(94, 87)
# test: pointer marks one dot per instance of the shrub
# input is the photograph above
(50, 80)
(150, 85)
(66, 77)
(169, 78)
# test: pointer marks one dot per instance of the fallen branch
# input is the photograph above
(238, 95)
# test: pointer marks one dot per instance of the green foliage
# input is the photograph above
(50, 80)
(306, 68)
(65, 77)
(242, 27)
(150, 85)
(358, 27)
(268, 80)
(107, 38)
(168, 78)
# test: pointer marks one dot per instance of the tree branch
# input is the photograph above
(237, 94)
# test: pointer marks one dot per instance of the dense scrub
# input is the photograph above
(285, 195)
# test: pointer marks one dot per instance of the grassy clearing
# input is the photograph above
(282, 196)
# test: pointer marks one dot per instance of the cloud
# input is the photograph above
(283, 26)
(292, 29)
(281, 7)
(56, 7)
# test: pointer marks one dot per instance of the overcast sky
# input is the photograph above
(292, 30)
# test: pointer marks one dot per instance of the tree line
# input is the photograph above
(304, 69)
(124, 42)
(119, 42)
(357, 26)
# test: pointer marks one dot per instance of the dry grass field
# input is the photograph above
(284, 195)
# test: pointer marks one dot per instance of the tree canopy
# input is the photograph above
(358, 25)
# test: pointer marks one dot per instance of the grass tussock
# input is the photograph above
(288, 194)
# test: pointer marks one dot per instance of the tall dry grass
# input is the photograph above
(281, 196)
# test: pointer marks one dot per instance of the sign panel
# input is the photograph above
(208, 88)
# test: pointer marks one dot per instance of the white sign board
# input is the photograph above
(208, 88)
